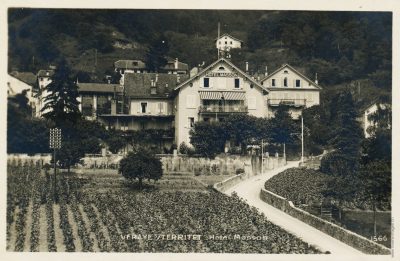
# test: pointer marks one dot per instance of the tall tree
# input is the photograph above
(61, 104)
(155, 57)
(347, 136)
(283, 126)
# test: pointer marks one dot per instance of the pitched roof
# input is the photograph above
(171, 66)
(245, 75)
(45, 73)
(99, 87)
(129, 64)
(139, 84)
(26, 77)
(293, 69)
(234, 38)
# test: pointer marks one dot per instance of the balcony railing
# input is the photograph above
(227, 109)
(289, 102)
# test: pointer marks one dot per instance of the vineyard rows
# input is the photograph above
(84, 220)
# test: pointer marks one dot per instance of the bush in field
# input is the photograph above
(141, 165)
(185, 149)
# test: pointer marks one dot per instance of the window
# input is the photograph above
(219, 42)
(285, 82)
(231, 42)
(237, 83)
(190, 122)
(161, 107)
(273, 83)
(206, 82)
(144, 107)
(226, 42)
(41, 79)
(221, 68)
(297, 83)
(206, 119)
(285, 71)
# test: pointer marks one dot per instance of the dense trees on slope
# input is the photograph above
(340, 46)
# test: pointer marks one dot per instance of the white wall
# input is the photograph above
(230, 43)
(188, 100)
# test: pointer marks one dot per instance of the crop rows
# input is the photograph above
(82, 219)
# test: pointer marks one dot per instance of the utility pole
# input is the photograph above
(218, 40)
(55, 143)
(262, 156)
(302, 139)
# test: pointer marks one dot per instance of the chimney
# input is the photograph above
(156, 77)
(152, 83)
(176, 63)
(178, 78)
(247, 67)
(266, 70)
(316, 78)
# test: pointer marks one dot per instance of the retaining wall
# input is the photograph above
(361, 243)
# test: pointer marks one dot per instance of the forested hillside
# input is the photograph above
(341, 47)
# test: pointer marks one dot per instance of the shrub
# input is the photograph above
(141, 165)
(185, 149)
(335, 163)
(239, 171)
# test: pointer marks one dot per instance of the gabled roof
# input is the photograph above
(171, 66)
(234, 38)
(293, 69)
(245, 75)
(129, 64)
(26, 77)
(99, 87)
(45, 73)
(138, 85)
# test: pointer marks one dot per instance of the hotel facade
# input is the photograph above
(177, 101)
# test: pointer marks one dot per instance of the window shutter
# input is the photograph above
(190, 101)
(251, 103)
(138, 107)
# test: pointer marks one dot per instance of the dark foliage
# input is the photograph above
(141, 165)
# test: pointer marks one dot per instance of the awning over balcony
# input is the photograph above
(216, 95)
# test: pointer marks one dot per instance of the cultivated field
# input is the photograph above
(96, 211)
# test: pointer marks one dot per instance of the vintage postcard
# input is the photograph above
(211, 130)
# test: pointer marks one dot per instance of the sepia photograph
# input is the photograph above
(187, 130)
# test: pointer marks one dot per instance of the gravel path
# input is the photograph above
(250, 191)
(57, 230)
(43, 247)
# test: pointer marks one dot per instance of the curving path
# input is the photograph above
(250, 191)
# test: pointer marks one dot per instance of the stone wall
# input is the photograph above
(223, 165)
(41, 158)
(361, 243)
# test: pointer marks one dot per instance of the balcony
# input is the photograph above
(223, 109)
(287, 102)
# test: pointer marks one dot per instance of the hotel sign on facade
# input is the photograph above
(221, 74)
